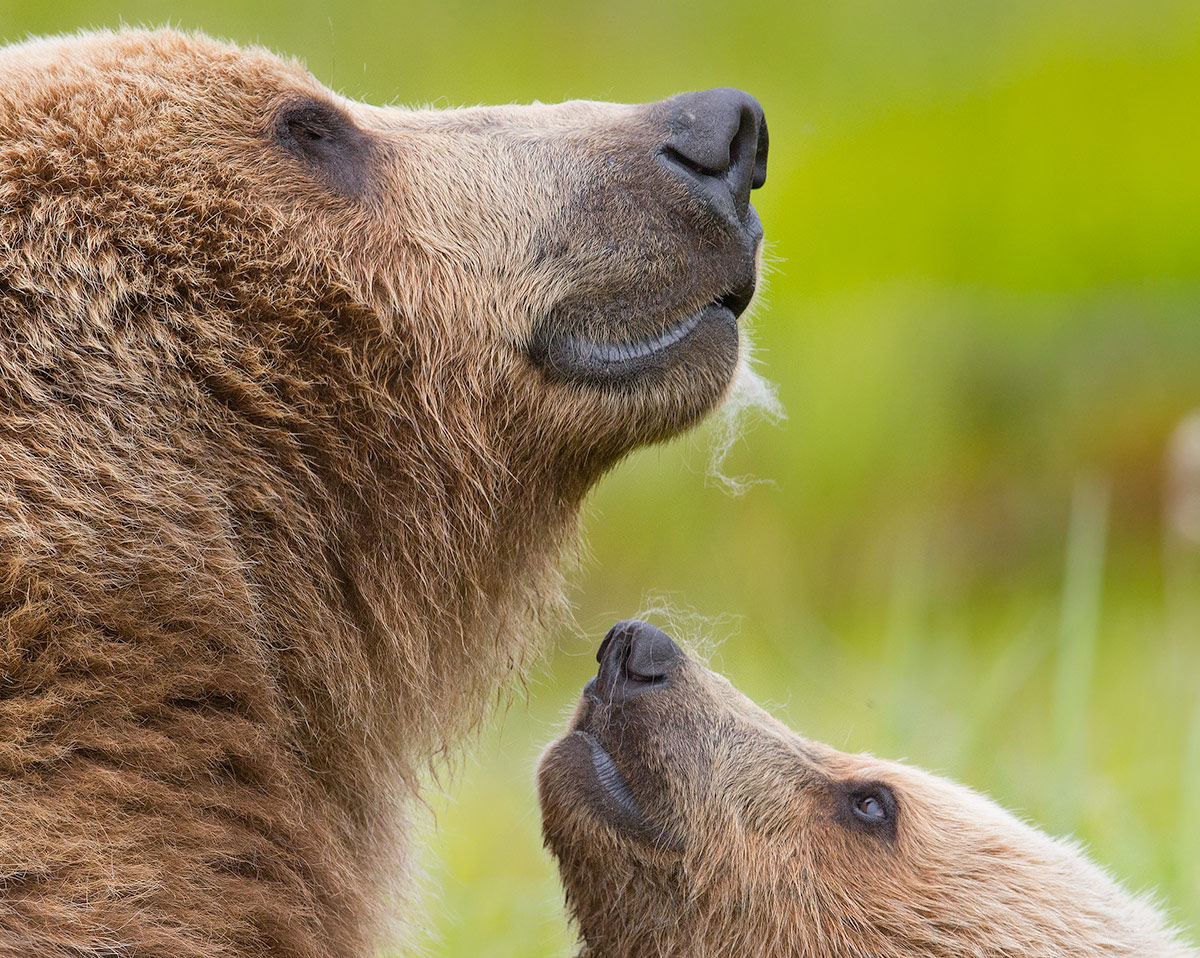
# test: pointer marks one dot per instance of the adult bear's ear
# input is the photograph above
(327, 142)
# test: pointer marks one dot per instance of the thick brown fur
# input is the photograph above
(281, 496)
(746, 843)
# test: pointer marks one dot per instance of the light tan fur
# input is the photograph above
(282, 498)
(754, 850)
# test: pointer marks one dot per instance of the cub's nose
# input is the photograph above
(635, 657)
(718, 146)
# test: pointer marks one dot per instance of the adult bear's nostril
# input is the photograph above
(718, 146)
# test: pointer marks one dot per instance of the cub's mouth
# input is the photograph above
(589, 781)
(600, 788)
(707, 338)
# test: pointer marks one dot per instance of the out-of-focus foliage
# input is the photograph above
(982, 318)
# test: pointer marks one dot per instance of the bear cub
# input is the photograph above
(688, 822)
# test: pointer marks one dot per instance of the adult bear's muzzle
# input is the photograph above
(712, 148)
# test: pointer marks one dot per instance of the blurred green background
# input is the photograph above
(984, 222)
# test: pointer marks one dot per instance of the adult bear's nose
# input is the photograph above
(634, 657)
(718, 146)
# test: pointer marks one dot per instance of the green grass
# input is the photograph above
(983, 324)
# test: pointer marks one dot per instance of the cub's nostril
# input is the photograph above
(616, 642)
(652, 654)
(635, 657)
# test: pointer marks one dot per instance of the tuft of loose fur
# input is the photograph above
(752, 400)
(282, 496)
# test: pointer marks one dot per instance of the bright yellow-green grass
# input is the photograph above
(984, 322)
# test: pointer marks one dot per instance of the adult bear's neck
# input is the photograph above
(401, 552)
(404, 547)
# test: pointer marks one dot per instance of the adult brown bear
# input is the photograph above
(688, 823)
(298, 401)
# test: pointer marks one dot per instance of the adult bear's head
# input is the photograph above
(689, 822)
(389, 349)
(559, 283)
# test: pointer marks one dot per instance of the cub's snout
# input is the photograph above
(603, 764)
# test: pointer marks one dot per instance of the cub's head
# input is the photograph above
(688, 822)
(552, 284)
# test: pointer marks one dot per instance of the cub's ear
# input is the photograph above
(327, 142)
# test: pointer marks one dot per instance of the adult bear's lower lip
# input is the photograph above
(567, 357)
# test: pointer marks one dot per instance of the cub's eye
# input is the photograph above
(873, 805)
(870, 808)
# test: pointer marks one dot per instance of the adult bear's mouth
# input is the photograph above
(710, 334)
